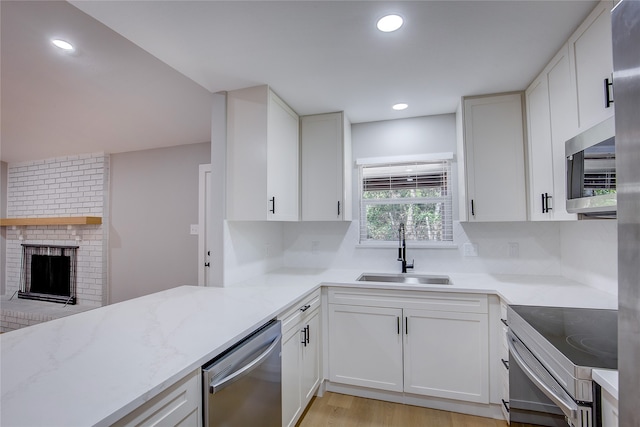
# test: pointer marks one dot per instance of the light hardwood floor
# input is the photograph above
(339, 410)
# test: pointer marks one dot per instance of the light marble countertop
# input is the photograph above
(607, 379)
(93, 368)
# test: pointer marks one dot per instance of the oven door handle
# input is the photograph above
(541, 378)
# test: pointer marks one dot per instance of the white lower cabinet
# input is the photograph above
(609, 409)
(179, 405)
(503, 355)
(365, 346)
(430, 344)
(300, 357)
(446, 355)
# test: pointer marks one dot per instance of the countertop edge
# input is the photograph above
(607, 379)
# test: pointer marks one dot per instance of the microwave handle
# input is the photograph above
(541, 378)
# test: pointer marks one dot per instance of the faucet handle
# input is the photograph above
(411, 265)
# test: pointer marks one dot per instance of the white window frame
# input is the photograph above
(399, 160)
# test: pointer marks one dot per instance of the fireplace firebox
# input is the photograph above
(49, 273)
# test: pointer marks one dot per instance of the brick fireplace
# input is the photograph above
(61, 187)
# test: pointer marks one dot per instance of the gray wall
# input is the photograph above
(3, 230)
(154, 199)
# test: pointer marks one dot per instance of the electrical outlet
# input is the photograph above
(470, 249)
(195, 229)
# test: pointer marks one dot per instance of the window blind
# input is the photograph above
(416, 193)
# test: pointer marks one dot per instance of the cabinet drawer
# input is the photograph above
(422, 300)
(180, 404)
(299, 311)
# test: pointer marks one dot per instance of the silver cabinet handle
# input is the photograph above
(245, 370)
(542, 379)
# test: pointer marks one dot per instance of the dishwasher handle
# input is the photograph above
(215, 387)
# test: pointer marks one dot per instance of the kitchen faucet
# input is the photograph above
(402, 249)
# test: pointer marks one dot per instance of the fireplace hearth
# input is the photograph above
(49, 273)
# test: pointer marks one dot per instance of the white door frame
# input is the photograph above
(203, 224)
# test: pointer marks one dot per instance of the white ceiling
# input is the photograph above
(320, 56)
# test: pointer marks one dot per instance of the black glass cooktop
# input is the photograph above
(587, 337)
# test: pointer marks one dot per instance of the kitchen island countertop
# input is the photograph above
(95, 367)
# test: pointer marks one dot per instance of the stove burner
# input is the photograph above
(596, 346)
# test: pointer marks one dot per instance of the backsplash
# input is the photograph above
(63, 186)
(535, 249)
(589, 253)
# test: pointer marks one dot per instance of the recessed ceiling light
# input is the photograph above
(61, 44)
(399, 107)
(390, 23)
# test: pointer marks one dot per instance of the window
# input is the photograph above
(416, 193)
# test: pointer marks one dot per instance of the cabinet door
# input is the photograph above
(282, 162)
(564, 125)
(310, 355)
(291, 400)
(246, 186)
(365, 346)
(609, 405)
(446, 355)
(539, 149)
(591, 53)
(323, 164)
(494, 151)
(179, 405)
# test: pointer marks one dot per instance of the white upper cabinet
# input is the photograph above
(539, 149)
(590, 53)
(262, 157)
(491, 159)
(326, 167)
(551, 118)
(568, 97)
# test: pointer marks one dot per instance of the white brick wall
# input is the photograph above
(64, 186)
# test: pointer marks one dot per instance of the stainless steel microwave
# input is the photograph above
(591, 171)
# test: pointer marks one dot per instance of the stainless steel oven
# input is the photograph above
(552, 351)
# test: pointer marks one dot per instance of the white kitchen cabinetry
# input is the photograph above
(609, 405)
(365, 346)
(262, 157)
(445, 354)
(300, 357)
(326, 167)
(501, 361)
(590, 53)
(551, 120)
(492, 146)
(179, 405)
(433, 344)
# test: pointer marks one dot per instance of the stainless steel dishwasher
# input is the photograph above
(242, 386)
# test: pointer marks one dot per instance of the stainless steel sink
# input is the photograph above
(412, 279)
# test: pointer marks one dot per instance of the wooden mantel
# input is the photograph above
(63, 220)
